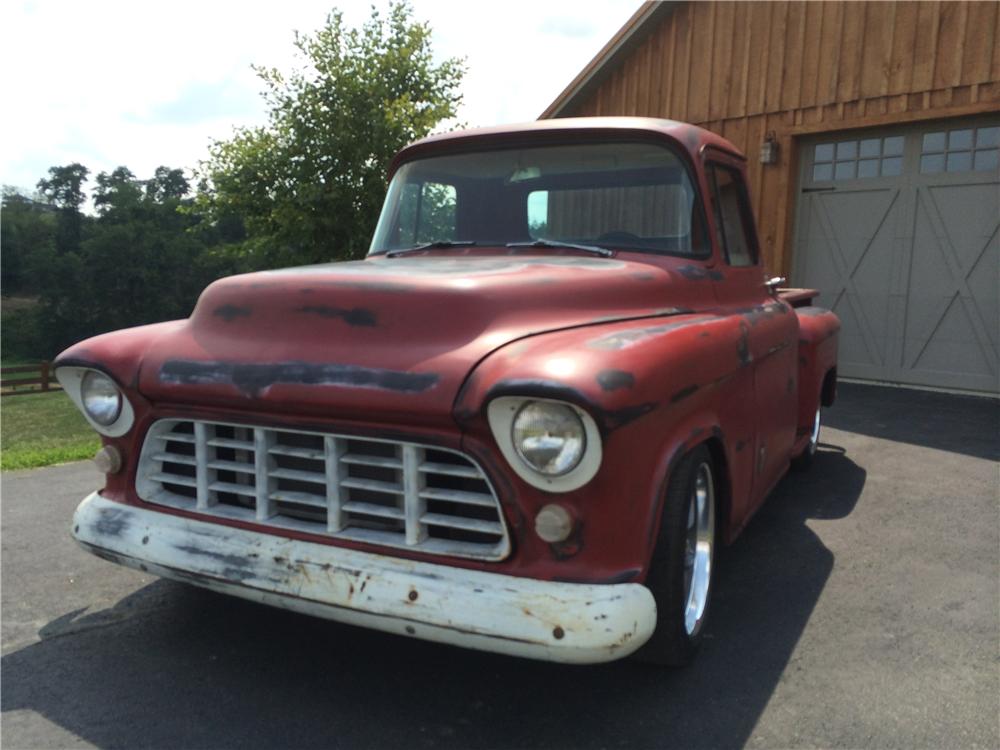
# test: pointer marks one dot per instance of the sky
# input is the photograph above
(136, 83)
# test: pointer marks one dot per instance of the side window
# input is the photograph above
(731, 211)
(426, 213)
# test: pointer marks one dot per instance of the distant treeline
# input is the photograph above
(307, 187)
(144, 257)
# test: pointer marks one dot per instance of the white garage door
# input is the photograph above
(899, 230)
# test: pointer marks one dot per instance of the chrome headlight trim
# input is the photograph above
(501, 413)
(71, 379)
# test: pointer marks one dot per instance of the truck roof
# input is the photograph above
(692, 138)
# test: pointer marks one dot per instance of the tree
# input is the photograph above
(309, 185)
(167, 185)
(118, 190)
(137, 262)
(64, 190)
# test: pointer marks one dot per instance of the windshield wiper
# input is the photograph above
(596, 249)
(436, 244)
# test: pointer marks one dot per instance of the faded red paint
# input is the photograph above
(665, 352)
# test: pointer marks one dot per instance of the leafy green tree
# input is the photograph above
(117, 191)
(138, 263)
(309, 185)
(64, 190)
(167, 185)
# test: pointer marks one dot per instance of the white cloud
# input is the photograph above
(114, 82)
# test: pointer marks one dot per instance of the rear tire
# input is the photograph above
(805, 459)
(681, 571)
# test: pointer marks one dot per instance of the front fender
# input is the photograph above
(656, 388)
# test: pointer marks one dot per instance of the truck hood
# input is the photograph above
(390, 339)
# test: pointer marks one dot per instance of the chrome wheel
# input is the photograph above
(698, 549)
(814, 436)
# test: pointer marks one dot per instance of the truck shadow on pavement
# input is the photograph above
(172, 666)
(968, 425)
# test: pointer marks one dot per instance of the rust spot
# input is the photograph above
(253, 379)
(112, 522)
(558, 633)
(697, 273)
(356, 316)
(612, 380)
(412, 596)
(683, 393)
(743, 347)
(229, 313)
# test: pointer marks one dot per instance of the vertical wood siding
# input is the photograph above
(746, 69)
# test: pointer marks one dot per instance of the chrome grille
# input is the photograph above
(377, 491)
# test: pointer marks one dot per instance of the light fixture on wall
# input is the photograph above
(769, 149)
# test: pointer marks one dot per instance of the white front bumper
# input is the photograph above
(565, 622)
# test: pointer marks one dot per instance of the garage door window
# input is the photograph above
(858, 159)
(964, 150)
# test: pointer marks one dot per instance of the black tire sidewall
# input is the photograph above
(671, 643)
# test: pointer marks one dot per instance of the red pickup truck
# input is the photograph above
(524, 423)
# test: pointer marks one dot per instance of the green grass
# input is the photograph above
(43, 429)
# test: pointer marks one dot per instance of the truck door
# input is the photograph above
(769, 326)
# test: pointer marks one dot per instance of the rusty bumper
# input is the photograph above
(564, 622)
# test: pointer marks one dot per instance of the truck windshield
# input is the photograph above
(629, 196)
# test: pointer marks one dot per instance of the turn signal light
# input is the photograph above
(108, 460)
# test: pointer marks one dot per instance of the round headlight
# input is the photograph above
(549, 437)
(101, 398)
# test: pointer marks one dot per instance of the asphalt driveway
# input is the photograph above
(859, 608)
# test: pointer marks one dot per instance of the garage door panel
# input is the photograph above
(860, 355)
(968, 217)
(947, 346)
(908, 258)
(947, 338)
(983, 281)
(852, 232)
(858, 224)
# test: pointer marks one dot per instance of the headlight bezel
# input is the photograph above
(71, 379)
(501, 413)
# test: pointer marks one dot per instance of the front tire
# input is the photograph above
(681, 571)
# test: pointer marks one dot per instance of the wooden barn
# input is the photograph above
(872, 133)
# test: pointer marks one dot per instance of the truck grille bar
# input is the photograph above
(382, 492)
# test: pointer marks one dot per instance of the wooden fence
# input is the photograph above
(20, 386)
